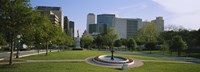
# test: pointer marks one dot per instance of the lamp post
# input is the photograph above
(17, 55)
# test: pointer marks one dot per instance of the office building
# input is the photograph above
(92, 28)
(159, 24)
(66, 25)
(53, 18)
(56, 10)
(105, 21)
(90, 20)
(127, 27)
(71, 29)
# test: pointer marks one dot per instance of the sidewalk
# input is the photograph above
(6, 55)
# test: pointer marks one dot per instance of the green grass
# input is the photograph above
(84, 67)
(167, 53)
(63, 55)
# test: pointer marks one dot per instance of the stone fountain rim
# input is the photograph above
(129, 61)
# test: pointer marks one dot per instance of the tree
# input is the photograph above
(118, 43)
(178, 44)
(86, 41)
(14, 16)
(124, 42)
(109, 38)
(99, 41)
(132, 44)
(147, 35)
(165, 47)
(2, 40)
(150, 46)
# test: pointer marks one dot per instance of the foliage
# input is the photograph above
(165, 47)
(110, 36)
(147, 34)
(15, 17)
(99, 40)
(178, 44)
(124, 42)
(2, 40)
(118, 43)
(132, 45)
(86, 41)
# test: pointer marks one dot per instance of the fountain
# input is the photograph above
(117, 60)
(114, 61)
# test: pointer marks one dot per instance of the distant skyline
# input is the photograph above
(184, 13)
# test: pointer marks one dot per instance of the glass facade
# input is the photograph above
(105, 20)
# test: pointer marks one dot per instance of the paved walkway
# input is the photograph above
(185, 59)
(6, 55)
(36, 61)
(55, 60)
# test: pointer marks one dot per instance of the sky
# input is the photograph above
(185, 13)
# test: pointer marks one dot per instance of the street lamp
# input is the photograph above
(18, 37)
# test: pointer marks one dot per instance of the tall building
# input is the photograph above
(133, 25)
(53, 18)
(71, 29)
(90, 20)
(159, 24)
(66, 25)
(92, 28)
(56, 10)
(105, 21)
(127, 27)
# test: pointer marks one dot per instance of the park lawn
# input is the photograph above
(167, 53)
(69, 54)
(84, 67)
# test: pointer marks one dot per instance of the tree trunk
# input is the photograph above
(150, 50)
(11, 53)
(46, 48)
(38, 48)
(17, 55)
(179, 53)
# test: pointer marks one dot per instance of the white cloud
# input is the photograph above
(127, 9)
(185, 12)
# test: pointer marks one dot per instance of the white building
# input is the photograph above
(56, 10)
(90, 20)
(159, 24)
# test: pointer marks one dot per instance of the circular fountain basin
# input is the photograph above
(118, 61)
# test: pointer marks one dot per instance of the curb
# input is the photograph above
(1, 59)
(33, 54)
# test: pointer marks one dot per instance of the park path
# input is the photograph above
(36, 61)
(75, 60)
(6, 55)
(185, 59)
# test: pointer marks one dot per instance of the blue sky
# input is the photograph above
(175, 12)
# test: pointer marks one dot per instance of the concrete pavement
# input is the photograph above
(6, 55)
